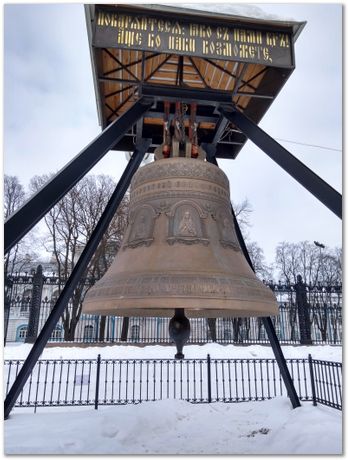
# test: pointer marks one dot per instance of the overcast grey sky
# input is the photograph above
(50, 114)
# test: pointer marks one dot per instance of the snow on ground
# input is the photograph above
(325, 352)
(178, 427)
(174, 426)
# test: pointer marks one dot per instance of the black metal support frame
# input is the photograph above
(33, 210)
(75, 276)
(37, 206)
(299, 171)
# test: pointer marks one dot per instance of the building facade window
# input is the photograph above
(25, 302)
(54, 298)
(135, 333)
(57, 333)
(88, 332)
(227, 334)
(22, 332)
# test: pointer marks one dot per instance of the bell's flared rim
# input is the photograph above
(165, 307)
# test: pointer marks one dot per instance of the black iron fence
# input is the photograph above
(307, 314)
(94, 382)
(327, 382)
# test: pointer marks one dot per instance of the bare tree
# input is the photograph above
(242, 212)
(330, 266)
(70, 223)
(22, 255)
(315, 264)
(13, 195)
(262, 270)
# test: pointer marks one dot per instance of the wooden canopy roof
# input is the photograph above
(185, 55)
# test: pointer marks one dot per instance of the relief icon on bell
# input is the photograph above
(141, 229)
(228, 237)
(186, 224)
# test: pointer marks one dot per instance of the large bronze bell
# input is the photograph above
(180, 250)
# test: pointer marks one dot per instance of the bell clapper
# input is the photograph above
(179, 331)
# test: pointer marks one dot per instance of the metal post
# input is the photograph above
(125, 327)
(7, 304)
(299, 171)
(311, 372)
(302, 309)
(75, 276)
(102, 324)
(19, 224)
(209, 377)
(35, 305)
(267, 322)
(96, 400)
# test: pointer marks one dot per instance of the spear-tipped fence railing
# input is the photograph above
(323, 321)
(96, 382)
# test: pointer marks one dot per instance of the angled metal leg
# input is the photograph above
(23, 220)
(278, 353)
(267, 322)
(299, 171)
(75, 276)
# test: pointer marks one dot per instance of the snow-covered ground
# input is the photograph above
(174, 426)
(178, 427)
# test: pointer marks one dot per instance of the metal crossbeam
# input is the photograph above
(199, 73)
(122, 66)
(75, 276)
(299, 171)
(158, 67)
(239, 79)
(172, 93)
(258, 74)
(220, 127)
(131, 64)
(103, 79)
(122, 104)
(114, 93)
(23, 220)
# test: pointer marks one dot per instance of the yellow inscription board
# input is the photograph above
(150, 33)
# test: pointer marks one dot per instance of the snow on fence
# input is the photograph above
(99, 381)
